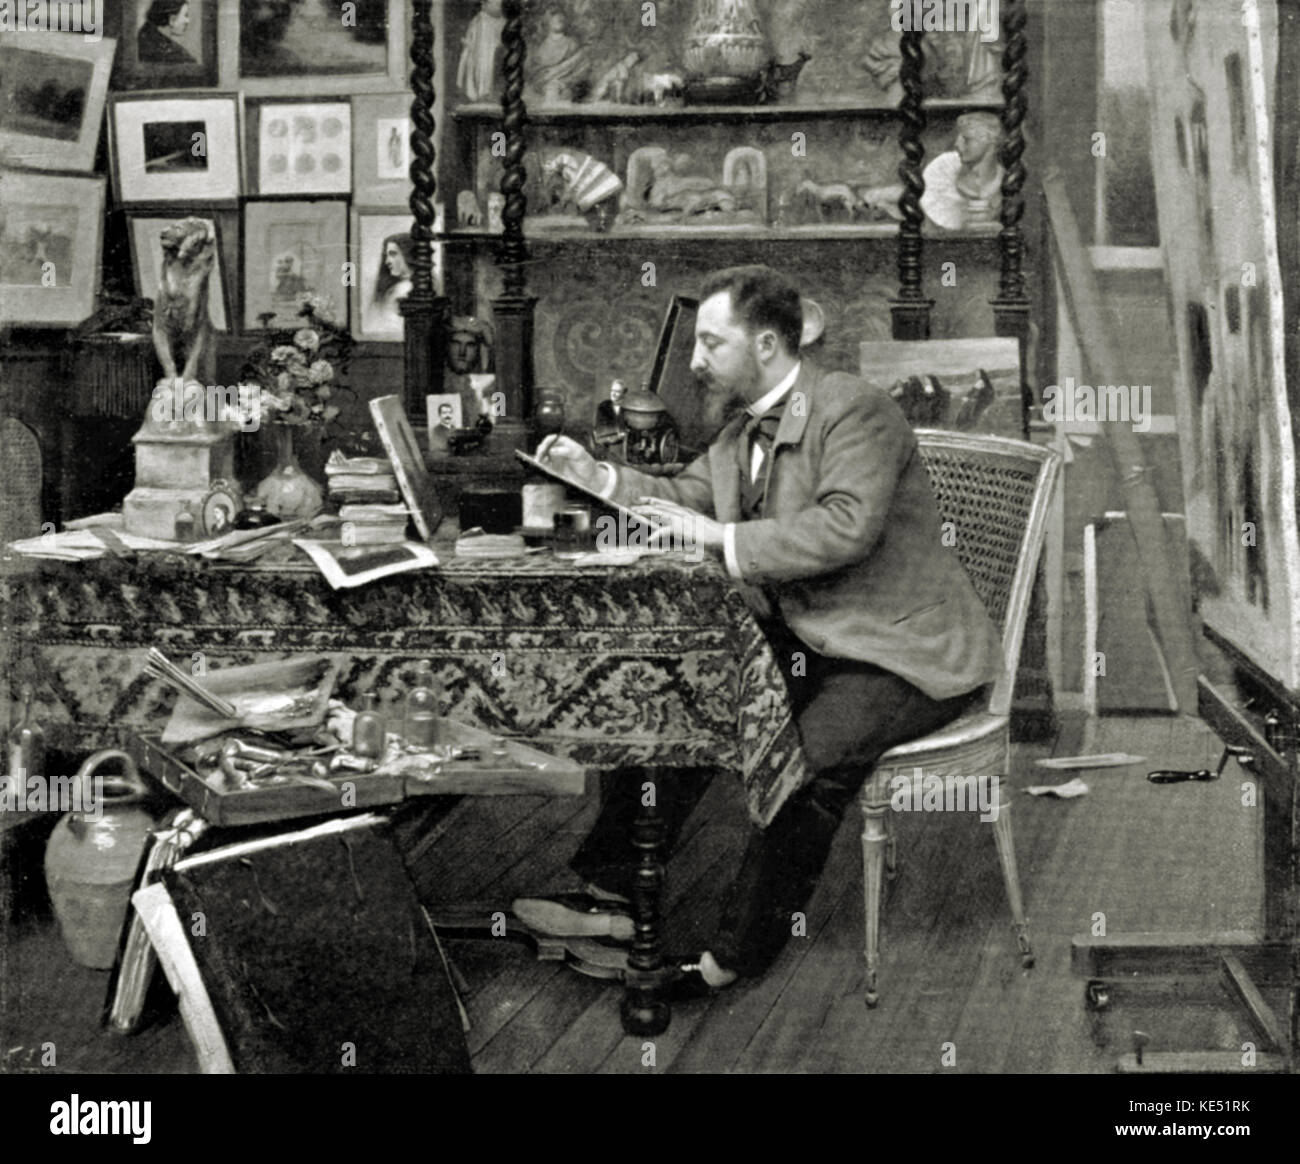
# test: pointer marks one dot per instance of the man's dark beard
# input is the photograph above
(722, 406)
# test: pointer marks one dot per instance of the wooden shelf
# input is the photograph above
(703, 114)
(828, 233)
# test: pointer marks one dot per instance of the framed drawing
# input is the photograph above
(164, 44)
(50, 237)
(284, 49)
(52, 91)
(301, 147)
(146, 255)
(381, 144)
(169, 148)
(291, 250)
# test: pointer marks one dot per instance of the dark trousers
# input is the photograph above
(849, 714)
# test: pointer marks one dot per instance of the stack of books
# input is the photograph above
(361, 480)
(372, 525)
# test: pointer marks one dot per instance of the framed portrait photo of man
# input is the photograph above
(52, 91)
(147, 260)
(294, 250)
(50, 237)
(301, 147)
(175, 148)
(309, 45)
(164, 44)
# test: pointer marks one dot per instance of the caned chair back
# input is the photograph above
(995, 492)
(20, 493)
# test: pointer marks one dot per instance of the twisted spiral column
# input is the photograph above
(1012, 150)
(512, 312)
(911, 309)
(424, 312)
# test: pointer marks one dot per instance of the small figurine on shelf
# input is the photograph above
(613, 82)
(559, 69)
(610, 424)
(468, 213)
(779, 81)
(480, 57)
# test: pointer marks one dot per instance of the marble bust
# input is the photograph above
(963, 186)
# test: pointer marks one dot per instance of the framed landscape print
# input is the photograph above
(50, 237)
(381, 149)
(302, 147)
(169, 148)
(292, 249)
(288, 48)
(167, 45)
(146, 255)
(52, 91)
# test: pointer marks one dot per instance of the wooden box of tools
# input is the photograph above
(482, 764)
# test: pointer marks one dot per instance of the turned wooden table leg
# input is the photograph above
(644, 1012)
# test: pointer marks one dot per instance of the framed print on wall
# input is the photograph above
(381, 149)
(301, 147)
(164, 44)
(146, 254)
(283, 49)
(170, 148)
(292, 249)
(50, 238)
(52, 91)
(384, 257)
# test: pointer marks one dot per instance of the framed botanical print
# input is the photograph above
(381, 149)
(164, 44)
(52, 91)
(146, 252)
(175, 148)
(301, 147)
(283, 49)
(50, 238)
(292, 250)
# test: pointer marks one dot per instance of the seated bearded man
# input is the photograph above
(815, 497)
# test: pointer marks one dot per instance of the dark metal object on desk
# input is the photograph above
(651, 437)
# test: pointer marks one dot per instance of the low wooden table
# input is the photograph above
(655, 665)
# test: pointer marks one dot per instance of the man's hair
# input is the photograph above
(760, 298)
(162, 11)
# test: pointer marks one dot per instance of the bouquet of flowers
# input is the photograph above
(295, 373)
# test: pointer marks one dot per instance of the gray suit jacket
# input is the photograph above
(848, 545)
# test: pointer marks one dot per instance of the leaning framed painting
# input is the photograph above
(164, 44)
(291, 250)
(50, 238)
(52, 91)
(175, 148)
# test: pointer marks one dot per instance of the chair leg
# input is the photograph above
(891, 848)
(875, 837)
(1007, 856)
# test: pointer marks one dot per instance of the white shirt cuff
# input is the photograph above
(729, 550)
(610, 486)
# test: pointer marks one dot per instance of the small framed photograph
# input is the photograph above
(284, 49)
(164, 44)
(175, 149)
(52, 91)
(302, 147)
(50, 239)
(381, 145)
(444, 416)
(146, 252)
(292, 250)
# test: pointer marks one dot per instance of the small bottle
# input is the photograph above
(26, 749)
(185, 528)
(368, 733)
(255, 517)
(420, 727)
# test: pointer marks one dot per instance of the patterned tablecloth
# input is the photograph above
(657, 663)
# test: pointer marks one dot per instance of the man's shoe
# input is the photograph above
(574, 915)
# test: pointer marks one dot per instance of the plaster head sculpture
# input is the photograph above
(963, 186)
(469, 346)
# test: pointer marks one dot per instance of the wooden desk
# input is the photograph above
(658, 664)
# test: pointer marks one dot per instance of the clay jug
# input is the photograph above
(92, 859)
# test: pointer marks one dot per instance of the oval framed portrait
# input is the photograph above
(220, 504)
